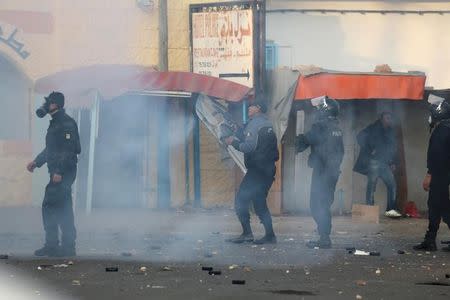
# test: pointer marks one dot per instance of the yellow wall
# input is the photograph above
(85, 33)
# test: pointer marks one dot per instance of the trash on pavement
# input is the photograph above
(215, 272)
(112, 269)
(76, 282)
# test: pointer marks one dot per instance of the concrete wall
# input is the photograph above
(359, 42)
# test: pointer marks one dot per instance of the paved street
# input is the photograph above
(174, 246)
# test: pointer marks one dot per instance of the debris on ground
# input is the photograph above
(401, 252)
(70, 263)
(247, 269)
(363, 253)
(166, 268)
(61, 266)
(207, 269)
(208, 255)
(240, 282)
(44, 267)
(112, 269)
(158, 287)
(378, 272)
(232, 267)
(359, 297)
(143, 269)
(361, 282)
(447, 276)
(4, 256)
(76, 282)
(215, 272)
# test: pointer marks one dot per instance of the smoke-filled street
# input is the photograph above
(161, 254)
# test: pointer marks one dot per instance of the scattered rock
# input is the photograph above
(143, 269)
(361, 282)
(378, 272)
(76, 282)
(166, 268)
(401, 252)
(232, 267)
(359, 297)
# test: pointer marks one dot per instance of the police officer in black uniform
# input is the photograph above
(327, 151)
(437, 179)
(62, 145)
(258, 142)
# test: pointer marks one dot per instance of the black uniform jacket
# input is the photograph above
(62, 144)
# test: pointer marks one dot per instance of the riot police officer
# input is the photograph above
(259, 145)
(327, 150)
(437, 179)
(62, 145)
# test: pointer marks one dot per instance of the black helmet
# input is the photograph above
(326, 107)
(439, 109)
(57, 98)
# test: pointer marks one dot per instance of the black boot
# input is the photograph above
(243, 238)
(428, 244)
(267, 239)
(52, 251)
(323, 243)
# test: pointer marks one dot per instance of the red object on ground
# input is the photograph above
(79, 85)
(355, 86)
(411, 210)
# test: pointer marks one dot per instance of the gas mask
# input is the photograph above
(43, 109)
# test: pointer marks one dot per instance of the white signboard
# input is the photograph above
(222, 44)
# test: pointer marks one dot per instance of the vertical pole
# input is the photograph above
(244, 112)
(92, 138)
(197, 184)
(163, 156)
(186, 152)
(163, 36)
